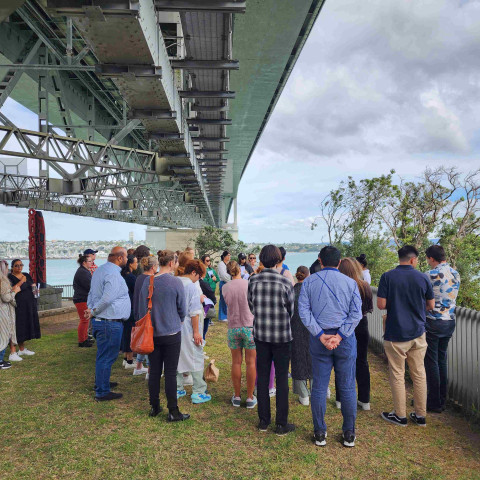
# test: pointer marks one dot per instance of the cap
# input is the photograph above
(89, 251)
(242, 256)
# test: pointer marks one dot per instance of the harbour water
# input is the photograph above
(62, 271)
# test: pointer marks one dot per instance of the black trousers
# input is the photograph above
(280, 354)
(164, 357)
(362, 373)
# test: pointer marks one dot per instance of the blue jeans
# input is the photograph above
(143, 358)
(342, 359)
(108, 336)
(222, 306)
(2, 354)
(438, 335)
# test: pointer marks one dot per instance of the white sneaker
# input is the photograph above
(338, 404)
(147, 376)
(14, 357)
(304, 401)
(329, 393)
(26, 352)
(124, 362)
(140, 371)
(363, 406)
(188, 380)
(129, 366)
(272, 392)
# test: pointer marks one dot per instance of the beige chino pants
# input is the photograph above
(413, 352)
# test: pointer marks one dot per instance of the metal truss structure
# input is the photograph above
(134, 102)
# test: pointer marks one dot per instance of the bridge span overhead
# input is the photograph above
(148, 110)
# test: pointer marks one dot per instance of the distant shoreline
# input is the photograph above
(105, 257)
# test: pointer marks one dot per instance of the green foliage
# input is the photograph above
(213, 241)
(377, 216)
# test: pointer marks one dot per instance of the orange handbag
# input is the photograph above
(142, 333)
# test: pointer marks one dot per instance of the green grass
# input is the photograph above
(52, 429)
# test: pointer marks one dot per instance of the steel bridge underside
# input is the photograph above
(148, 111)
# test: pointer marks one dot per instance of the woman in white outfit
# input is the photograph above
(191, 352)
(362, 259)
(7, 316)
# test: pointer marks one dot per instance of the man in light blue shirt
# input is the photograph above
(109, 306)
(330, 307)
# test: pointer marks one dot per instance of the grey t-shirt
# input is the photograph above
(168, 304)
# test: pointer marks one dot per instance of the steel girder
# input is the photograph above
(159, 207)
(132, 175)
(36, 21)
(66, 150)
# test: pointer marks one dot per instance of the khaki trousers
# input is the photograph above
(413, 352)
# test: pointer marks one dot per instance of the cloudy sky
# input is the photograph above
(380, 84)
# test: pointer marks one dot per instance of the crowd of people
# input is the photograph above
(281, 325)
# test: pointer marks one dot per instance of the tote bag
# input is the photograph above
(142, 333)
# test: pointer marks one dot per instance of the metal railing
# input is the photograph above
(463, 354)
(67, 293)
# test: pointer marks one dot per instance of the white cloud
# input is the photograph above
(387, 85)
(379, 85)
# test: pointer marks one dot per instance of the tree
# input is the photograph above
(212, 241)
(379, 215)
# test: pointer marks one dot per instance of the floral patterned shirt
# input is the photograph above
(445, 282)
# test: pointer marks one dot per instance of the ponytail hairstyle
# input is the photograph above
(302, 273)
(165, 257)
(232, 268)
(362, 260)
(82, 259)
(224, 254)
(147, 263)
(126, 269)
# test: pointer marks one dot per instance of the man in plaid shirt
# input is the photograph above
(271, 300)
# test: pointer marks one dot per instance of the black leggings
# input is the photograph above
(362, 373)
(164, 357)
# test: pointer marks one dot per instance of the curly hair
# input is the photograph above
(183, 259)
(196, 266)
(148, 262)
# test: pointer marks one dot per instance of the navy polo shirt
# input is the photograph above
(406, 291)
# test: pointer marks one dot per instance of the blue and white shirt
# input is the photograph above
(109, 293)
(445, 283)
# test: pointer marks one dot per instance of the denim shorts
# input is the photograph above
(241, 338)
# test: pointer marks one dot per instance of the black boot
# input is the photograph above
(155, 410)
(176, 416)
(87, 343)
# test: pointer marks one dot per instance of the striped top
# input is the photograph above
(7, 314)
